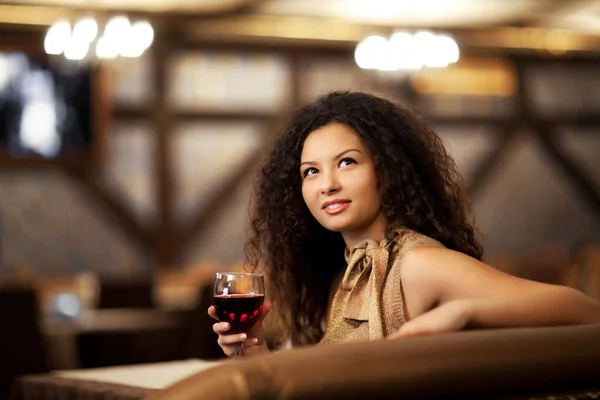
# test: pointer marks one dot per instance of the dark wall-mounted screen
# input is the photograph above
(45, 109)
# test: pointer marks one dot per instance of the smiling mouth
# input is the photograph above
(336, 208)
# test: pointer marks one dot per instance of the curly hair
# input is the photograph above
(419, 185)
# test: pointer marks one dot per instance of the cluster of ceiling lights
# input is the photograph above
(119, 38)
(405, 51)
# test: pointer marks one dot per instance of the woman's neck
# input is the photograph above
(376, 232)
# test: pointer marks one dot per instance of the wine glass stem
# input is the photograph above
(238, 350)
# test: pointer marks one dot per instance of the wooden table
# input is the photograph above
(112, 383)
(64, 338)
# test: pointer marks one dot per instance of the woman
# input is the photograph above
(362, 229)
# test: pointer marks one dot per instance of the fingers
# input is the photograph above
(221, 328)
(230, 342)
(250, 342)
(212, 312)
(226, 340)
(408, 330)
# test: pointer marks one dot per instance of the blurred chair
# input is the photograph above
(22, 348)
(589, 265)
(518, 363)
(551, 263)
(197, 337)
(138, 293)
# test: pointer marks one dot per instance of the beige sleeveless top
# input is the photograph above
(368, 303)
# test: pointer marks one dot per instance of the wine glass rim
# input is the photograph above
(238, 273)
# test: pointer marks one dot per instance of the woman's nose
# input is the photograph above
(329, 185)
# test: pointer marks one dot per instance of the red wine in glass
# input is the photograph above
(238, 300)
(240, 310)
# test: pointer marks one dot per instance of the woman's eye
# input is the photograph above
(309, 171)
(347, 161)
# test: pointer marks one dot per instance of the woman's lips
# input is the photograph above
(336, 208)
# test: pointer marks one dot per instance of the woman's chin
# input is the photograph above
(338, 226)
(340, 223)
(335, 227)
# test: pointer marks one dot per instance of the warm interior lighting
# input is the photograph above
(143, 33)
(86, 29)
(405, 51)
(369, 52)
(76, 49)
(105, 49)
(120, 38)
(57, 38)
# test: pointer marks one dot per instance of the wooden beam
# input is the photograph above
(205, 116)
(191, 115)
(162, 155)
(199, 222)
(296, 81)
(547, 10)
(583, 120)
(14, 12)
(544, 131)
(577, 176)
(590, 119)
(121, 112)
(315, 32)
(132, 228)
(482, 172)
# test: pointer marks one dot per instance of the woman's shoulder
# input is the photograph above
(416, 256)
(407, 239)
(409, 248)
(406, 270)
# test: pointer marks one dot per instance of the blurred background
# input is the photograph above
(130, 131)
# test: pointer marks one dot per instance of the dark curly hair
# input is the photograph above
(419, 185)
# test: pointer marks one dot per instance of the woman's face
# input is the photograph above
(339, 183)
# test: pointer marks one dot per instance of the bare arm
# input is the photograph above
(553, 305)
(470, 293)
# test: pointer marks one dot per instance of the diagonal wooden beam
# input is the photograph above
(545, 133)
(115, 207)
(577, 176)
(199, 222)
(484, 169)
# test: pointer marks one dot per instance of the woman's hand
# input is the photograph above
(450, 317)
(254, 340)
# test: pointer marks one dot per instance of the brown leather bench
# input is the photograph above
(511, 363)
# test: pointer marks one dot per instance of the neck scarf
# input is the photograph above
(365, 275)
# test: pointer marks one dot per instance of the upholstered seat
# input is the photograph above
(508, 363)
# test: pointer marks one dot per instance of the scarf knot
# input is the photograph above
(364, 278)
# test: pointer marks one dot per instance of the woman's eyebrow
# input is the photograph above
(335, 158)
(347, 151)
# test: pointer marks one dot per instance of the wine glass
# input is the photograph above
(238, 300)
